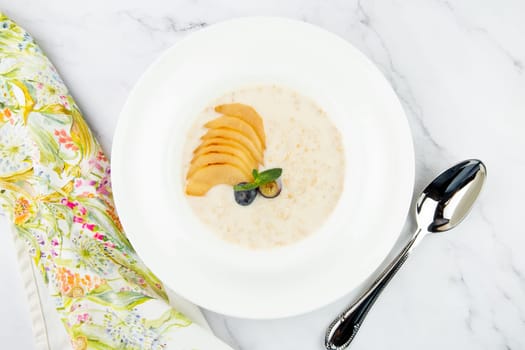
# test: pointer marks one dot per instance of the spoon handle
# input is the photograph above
(343, 329)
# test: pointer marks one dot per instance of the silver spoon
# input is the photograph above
(442, 205)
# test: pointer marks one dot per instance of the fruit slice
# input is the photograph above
(236, 136)
(206, 159)
(237, 125)
(218, 145)
(215, 174)
(232, 147)
(246, 113)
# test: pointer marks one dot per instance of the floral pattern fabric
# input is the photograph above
(55, 187)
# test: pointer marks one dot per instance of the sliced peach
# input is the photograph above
(219, 145)
(237, 125)
(236, 136)
(207, 159)
(246, 113)
(215, 174)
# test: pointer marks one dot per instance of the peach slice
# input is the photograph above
(218, 145)
(236, 136)
(206, 159)
(247, 114)
(215, 174)
(237, 125)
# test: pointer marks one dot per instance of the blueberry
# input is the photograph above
(245, 197)
(270, 189)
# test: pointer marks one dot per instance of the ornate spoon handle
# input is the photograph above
(343, 329)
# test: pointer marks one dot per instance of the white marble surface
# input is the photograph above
(458, 67)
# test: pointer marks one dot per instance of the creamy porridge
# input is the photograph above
(300, 139)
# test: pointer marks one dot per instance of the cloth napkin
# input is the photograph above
(55, 189)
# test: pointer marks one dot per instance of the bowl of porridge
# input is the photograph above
(262, 159)
(299, 138)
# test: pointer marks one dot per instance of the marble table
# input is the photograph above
(459, 69)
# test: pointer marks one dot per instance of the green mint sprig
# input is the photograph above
(260, 179)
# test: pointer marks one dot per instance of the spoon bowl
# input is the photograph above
(447, 200)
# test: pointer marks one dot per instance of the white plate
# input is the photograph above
(297, 278)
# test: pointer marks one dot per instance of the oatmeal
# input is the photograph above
(300, 139)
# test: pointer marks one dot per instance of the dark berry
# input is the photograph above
(270, 189)
(245, 197)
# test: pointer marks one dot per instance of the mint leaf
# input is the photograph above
(268, 176)
(246, 187)
(259, 179)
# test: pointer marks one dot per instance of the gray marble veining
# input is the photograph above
(457, 67)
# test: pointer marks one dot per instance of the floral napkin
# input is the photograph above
(55, 188)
